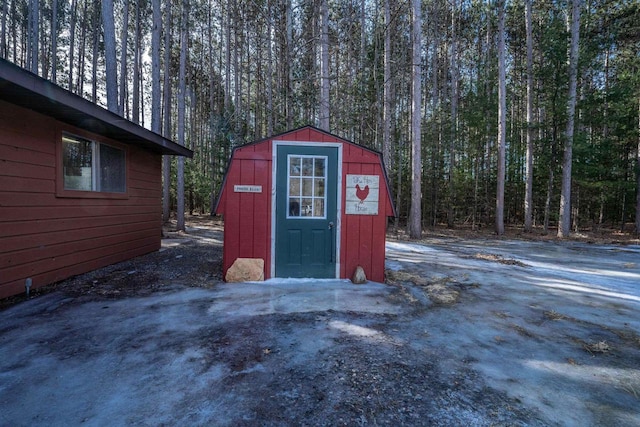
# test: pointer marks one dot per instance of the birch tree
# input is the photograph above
(564, 222)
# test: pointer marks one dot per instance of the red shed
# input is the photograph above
(80, 187)
(310, 204)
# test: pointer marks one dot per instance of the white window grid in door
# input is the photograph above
(306, 186)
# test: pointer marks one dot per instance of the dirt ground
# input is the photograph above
(461, 335)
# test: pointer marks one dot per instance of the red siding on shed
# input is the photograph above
(50, 238)
(247, 216)
(363, 236)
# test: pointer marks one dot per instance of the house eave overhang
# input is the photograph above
(25, 89)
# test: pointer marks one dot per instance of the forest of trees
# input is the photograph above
(470, 101)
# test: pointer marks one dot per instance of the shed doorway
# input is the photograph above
(306, 211)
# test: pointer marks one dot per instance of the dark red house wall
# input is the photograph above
(49, 238)
(247, 216)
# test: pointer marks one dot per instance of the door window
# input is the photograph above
(306, 178)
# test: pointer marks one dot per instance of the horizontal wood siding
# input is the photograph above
(49, 238)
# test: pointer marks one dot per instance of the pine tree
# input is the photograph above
(110, 55)
(502, 121)
(415, 215)
(564, 222)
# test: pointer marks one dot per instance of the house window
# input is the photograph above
(92, 166)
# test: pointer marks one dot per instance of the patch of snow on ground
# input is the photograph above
(529, 328)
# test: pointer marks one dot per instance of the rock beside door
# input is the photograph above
(246, 270)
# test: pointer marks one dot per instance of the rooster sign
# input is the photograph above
(362, 194)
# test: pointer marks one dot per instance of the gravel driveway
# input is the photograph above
(465, 333)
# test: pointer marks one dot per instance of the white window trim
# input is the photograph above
(313, 196)
(96, 140)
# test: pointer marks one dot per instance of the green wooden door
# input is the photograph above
(306, 210)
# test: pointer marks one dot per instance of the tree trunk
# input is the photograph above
(288, 61)
(564, 222)
(212, 110)
(487, 147)
(166, 160)
(399, 162)
(14, 24)
(33, 23)
(155, 66)
(227, 62)
(502, 122)
(638, 178)
(182, 88)
(110, 55)
(386, 111)
(94, 57)
(324, 66)
(237, 72)
(623, 209)
(549, 198)
(454, 114)
(576, 212)
(82, 52)
(246, 70)
(123, 58)
(269, 79)
(528, 196)
(45, 46)
(476, 179)
(137, 64)
(4, 52)
(415, 215)
(54, 41)
(435, 132)
(72, 36)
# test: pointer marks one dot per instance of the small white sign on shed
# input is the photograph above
(362, 194)
(247, 188)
